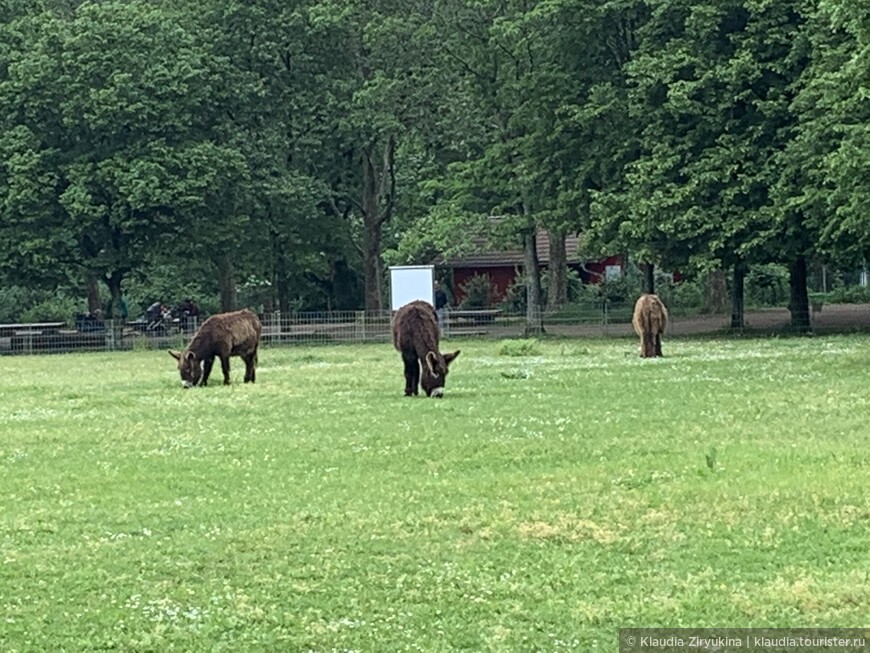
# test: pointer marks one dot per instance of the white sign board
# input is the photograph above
(612, 272)
(410, 282)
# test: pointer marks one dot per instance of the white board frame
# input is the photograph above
(411, 282)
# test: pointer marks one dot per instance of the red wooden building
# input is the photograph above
(503, 266)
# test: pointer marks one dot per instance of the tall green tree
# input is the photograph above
(271, 116)
(121, 111)
(590, 136)
(492, 50)
(710, 89)
(370, 101)
(826, 166)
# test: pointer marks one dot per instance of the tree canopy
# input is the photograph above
(291, 149)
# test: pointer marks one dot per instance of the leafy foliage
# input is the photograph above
(307, 144)
(477, 292)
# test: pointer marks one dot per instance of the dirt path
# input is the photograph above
(832, 317)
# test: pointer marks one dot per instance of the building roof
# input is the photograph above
(483, 255)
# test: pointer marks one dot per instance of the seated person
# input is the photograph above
(92, 321)
(187, 313)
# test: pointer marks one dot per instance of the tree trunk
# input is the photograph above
(557, 292)
(737, 294)
(534, 318)
(373, 276)
(330, 295)
(93, 290)
(649, 278)
(113, 282)
(717, 294)
(226, 283)
(279, 261)
(799, 304)
(283, 289)
(378, 196)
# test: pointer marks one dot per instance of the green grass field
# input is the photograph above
(558, 492)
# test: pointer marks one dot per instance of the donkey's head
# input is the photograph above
(434, 372)
(189, 367)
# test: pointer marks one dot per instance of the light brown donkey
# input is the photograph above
(649, 322)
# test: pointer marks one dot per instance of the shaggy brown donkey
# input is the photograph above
(222, 335)
(415, 336)
(649, 321)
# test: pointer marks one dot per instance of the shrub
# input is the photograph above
(767, 285)
(56, 307)
(590, 294)
(688, 296)
(621, 290)
(528, 347)
(515, 296)
(573, 285)
(849, 295)
(477, 293)
(13, 300)
(19, 304)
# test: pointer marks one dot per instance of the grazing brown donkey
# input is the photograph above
(415, 336)
(649, 321)
(222, 335)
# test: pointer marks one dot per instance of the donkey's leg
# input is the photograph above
(254, 362)
(415, 380)
(412, 374)
(206, 370)
(250, 366)
(648, 345)
(225, 368)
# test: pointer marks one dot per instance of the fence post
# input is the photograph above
(360, 320)
(112, 335)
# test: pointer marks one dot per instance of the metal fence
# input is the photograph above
(593, 320)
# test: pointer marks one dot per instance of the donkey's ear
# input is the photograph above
(449, 358)
(430, 363)
(175, 354)
(189, 356)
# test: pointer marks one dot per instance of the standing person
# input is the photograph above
(440, 304)
(122, 308)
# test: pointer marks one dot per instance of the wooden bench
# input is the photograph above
(30, 328)
(62, 340)
(453, 332)
(482, 316)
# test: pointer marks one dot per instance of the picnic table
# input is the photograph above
(31, 337)
(30, 328)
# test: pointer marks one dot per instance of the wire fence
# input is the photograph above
(593, 320)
